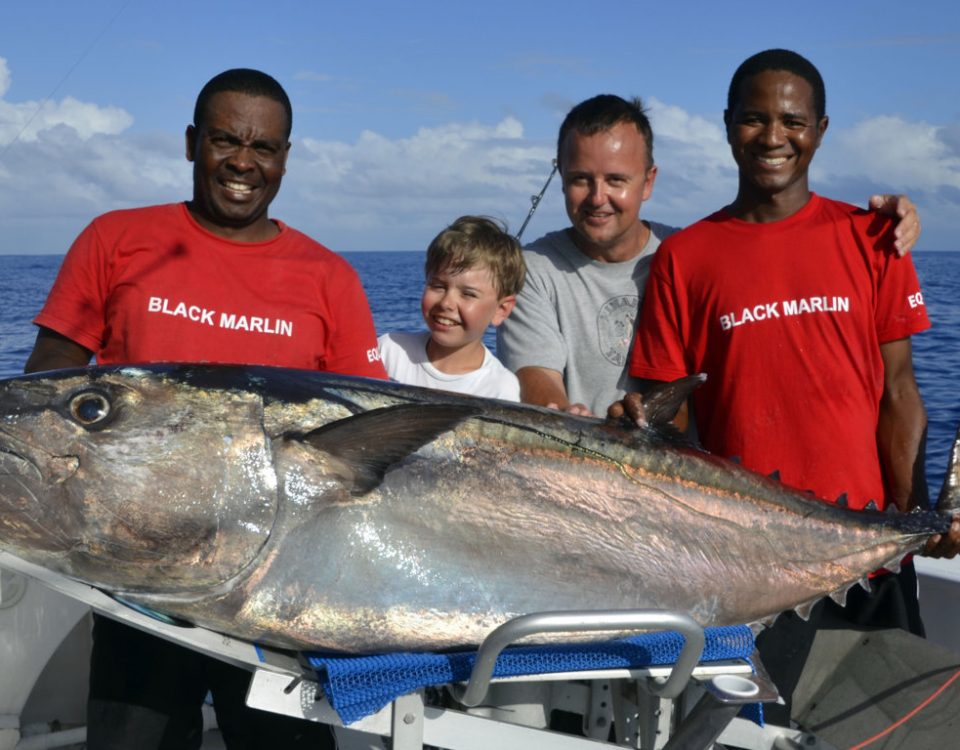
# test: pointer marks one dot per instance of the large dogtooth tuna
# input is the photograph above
(307, 510)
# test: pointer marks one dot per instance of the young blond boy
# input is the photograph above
(473, 270)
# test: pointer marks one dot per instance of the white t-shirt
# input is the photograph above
(404, 356)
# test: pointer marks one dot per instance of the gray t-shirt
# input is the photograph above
(578, 316)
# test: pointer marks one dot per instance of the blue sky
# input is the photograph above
(407, 115)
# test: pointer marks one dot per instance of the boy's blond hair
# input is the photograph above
(479, 241)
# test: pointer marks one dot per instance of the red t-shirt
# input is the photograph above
(152, 285)
(786, 319)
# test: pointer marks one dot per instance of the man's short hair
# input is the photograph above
(603, 112)
(479, 242)
(780, 59)
(242, 81)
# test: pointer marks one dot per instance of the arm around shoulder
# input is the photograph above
(904, 212)
(54, 351)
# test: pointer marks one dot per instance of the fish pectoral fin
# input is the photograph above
(662, 401)
(371, 442)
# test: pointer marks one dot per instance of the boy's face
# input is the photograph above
(458, 308)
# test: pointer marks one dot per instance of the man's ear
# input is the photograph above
(190, 138)
(504, 308)
(726, 123)
(651, 179)
(822, 129)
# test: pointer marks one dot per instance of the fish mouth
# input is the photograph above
(14, 463)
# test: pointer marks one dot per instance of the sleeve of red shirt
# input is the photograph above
(75, 305)
(901, 311)
(352, 348)
(659, 347)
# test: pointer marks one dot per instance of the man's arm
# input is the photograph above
(901, 427)
(544, 387)
(53, 351)
(900, 207)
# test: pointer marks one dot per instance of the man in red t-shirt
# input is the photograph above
(210, 280)
(800, 312)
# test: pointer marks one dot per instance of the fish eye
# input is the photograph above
(90, 408)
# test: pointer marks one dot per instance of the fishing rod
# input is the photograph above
(535, 199)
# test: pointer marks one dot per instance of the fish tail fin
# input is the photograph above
(949, 500)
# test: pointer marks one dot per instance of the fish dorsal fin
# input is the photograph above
(872, 505)
(774, 475)
(371, 442)
(842, 501)
(662, 401)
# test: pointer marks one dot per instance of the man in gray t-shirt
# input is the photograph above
(576, 316)
(569, 336)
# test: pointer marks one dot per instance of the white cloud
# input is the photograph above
(696, 173)
(890, 150)
(79, 159)
(62, 163)
(403, 191)
(25, 121)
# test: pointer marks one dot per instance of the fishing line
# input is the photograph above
(63, 80)
(902, 720)
(535, 200)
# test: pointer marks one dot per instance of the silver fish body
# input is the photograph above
(306, 510)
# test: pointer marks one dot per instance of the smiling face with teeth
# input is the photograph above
(458, 307)
(606, 178)
(773, 131)
(239, 154)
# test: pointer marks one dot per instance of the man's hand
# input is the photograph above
(580, 410)
(907, 231)
(631, 407)
(945, 545)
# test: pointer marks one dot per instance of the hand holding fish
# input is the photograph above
(657, 405)
(629, 408)
(945, 545)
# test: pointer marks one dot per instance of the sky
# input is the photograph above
(408, 115)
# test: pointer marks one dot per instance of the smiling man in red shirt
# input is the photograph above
(214, 279)
(800, 311)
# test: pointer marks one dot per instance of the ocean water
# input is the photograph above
(393, 282)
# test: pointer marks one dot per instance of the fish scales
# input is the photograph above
(306, 510)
